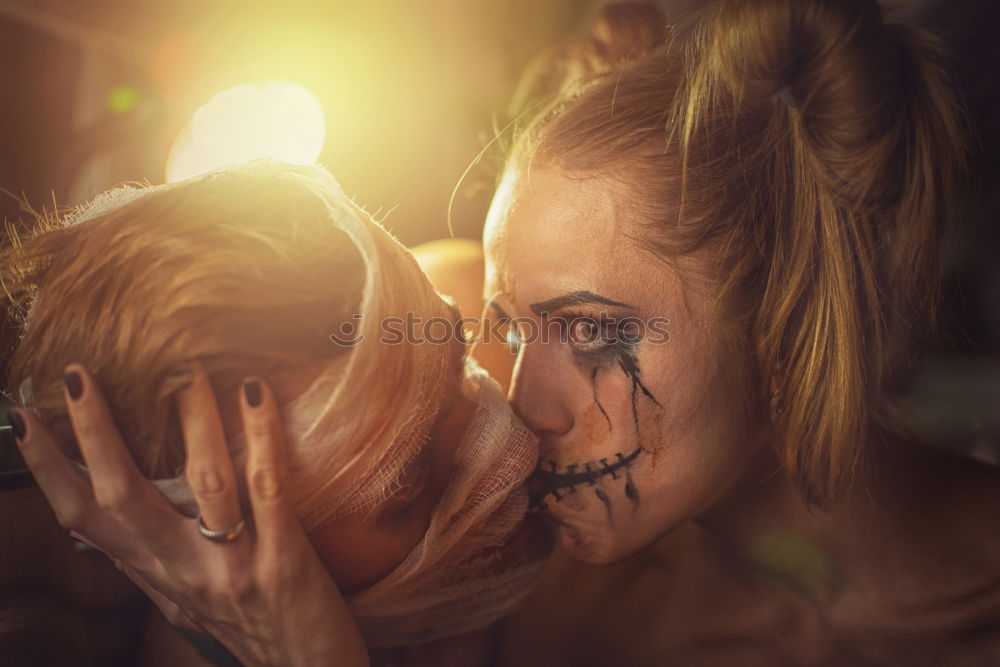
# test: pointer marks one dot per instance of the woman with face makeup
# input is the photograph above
(772, 185)
(714, 250)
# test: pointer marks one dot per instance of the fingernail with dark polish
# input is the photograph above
(74, 385)
(16, 423)
(252, 390)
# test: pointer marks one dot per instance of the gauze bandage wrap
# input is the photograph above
(373, 405)
(366, 416)
(477, 559)
(370, 409)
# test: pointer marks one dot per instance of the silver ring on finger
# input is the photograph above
(226, 535)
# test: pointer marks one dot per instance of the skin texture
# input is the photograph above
(666, 426)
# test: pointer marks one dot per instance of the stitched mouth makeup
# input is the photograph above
(549, 480)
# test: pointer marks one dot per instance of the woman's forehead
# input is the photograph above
(561, 231)
(560, 210)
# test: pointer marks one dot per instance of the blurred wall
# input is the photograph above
(410, 90)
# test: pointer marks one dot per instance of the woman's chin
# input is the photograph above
(593, 541)
(596, 549)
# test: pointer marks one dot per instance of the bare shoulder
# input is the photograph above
(937, 492)
(923, 548)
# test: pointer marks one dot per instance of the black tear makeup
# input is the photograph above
(631, 492)
(630, 366)
(597, 401)
(603, 497)
(597, 345)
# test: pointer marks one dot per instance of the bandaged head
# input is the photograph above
(366, 415)
(475, 562)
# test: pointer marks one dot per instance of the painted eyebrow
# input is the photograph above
(580, 297)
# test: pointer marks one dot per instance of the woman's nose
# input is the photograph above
(537, 394)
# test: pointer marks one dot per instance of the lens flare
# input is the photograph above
(279, 119)
(122, 99)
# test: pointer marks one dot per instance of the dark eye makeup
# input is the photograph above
(597, 336)
(588, 334)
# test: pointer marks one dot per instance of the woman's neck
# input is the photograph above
(761, 494)
(764, 522)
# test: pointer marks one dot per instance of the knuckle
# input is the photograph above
(71, 517)
(190, 586)
(144, 565)
(274, 575)
(258, 428)
(208, 482)
(240, 587)
(173, 615)
(266, 482)
(32, 458)
(116, 498)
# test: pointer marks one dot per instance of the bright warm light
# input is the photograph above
(278, 119)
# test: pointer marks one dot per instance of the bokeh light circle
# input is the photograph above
(279, 119)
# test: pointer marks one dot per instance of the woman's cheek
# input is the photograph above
(663, 448)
